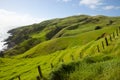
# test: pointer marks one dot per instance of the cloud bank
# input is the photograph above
(91, 3)
(111, 7)
(10, 20)
(95, 4)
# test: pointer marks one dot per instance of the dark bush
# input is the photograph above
(62, 71)
(105, 58)
(110, 23)
(53, 32)
(21, 48)
(1, 54)
(98, 27)
(89, 60)
(75, 26)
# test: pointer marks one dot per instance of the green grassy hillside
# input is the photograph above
(26, 37)
(66, 49)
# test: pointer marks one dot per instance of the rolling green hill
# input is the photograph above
(71, 48)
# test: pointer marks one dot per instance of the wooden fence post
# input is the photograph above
(52, 65)
(114, 35)
(103, 45)
(117, 32)
(59, 60)
(62, 60)
(38, 78)
(19, 77)
(110, 37)
(72, 57)
(106, 41)
(98, 48)
(40, 72)
(80, 55)
(119, 29)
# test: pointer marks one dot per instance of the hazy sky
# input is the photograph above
(14, 13)
(20, 12)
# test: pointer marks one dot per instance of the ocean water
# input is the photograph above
(3, 35)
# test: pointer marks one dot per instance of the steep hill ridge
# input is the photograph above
(26, 37)
(71, 53)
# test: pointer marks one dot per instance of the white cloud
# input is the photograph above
(91, 3)
(10, 20)
(111, 7)
(64, 0)
(108, 7)
(95, 4)
(118, 7)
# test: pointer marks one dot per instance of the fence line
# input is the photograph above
(115, 34)
(80, 55)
